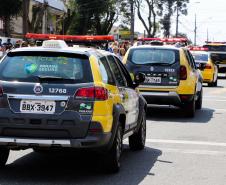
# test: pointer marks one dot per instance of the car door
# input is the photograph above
(129, 97)
(195, 71)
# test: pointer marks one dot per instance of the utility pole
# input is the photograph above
(207, 35)
(195, 31)
(177, 18)
(132, 14)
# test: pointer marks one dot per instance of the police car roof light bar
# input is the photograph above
(71, 38)
(197, 48)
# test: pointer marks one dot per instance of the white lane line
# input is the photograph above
(220, 110)
(218, 100)
(186, 142)
(223, 97)
(195, 152)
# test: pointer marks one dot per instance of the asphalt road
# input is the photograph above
(179, 151)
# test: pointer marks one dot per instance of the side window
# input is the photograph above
(192, 60)
(125, 72)
(118, 74)
(189, 59)
(106, 72)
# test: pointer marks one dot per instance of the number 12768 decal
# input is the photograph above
(57, 91)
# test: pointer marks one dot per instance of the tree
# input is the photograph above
(154, 8)
(8, 10)
(94, 17)
(180, 8)
(33, 24)
(166, 20)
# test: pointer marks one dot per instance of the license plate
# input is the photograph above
(37, 106)
(155, 80)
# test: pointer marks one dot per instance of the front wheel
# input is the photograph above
(137, 140)
(112, 159)
(4, 154)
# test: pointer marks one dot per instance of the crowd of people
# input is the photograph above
(119, 49)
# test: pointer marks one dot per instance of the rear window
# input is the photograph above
(200, 57)
(36, 66)
(153, 56)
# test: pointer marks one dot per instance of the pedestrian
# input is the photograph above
(116, 51)
(122, 53)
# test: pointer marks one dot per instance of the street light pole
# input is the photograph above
(177, 19)
(195, 31)
(132, 21)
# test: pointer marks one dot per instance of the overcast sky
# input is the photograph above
(211, 16)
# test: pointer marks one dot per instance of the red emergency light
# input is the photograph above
(71, 38)
(173, 40)
(150, 39)
(167, 40)
(196, 48)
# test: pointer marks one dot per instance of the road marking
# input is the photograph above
(186, 142)
(223, 97)
(219, 91)
(196, 152)
(214, 100)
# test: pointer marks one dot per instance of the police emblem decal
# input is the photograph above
(38, 89)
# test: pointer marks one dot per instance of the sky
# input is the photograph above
(211, 16)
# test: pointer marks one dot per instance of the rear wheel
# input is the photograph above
(137, 140)
(112, 158)
(189, 109)
(215, 83)
(4, 154)
(198, 103)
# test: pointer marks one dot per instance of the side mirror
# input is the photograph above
(201, 66)
(139, 78)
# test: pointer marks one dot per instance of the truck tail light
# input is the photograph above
(97, 93)
(183, 73)
(208, 66)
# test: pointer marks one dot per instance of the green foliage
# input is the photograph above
(10, 8)
(170, 7)
(94, 17)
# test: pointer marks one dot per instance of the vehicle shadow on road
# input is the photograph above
(78, 168)
(172, 114)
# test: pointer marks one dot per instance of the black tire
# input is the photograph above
(112, 158)
(198, 103)
(210, 84)
(215, 83)
(137, 140)
(4, 154)
(189, 109)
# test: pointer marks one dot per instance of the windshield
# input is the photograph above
(34, 66)
(153, 56)
(200, 57)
